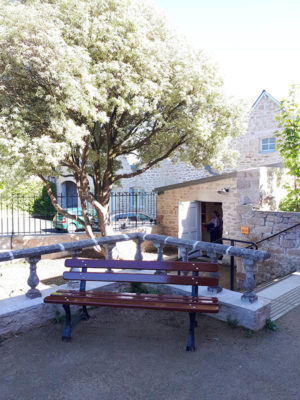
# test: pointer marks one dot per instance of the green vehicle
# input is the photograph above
(60, 222)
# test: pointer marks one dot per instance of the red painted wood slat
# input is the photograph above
(134, 303)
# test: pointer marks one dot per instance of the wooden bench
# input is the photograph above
(188, 273)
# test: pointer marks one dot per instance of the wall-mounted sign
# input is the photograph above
(245, 230)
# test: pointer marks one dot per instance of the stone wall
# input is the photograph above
(284, 249)
(167, 203)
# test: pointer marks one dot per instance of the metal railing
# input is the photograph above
(30, 215)
(277, 233)
(212, 250)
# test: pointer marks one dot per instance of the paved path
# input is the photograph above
(284, 295)
(140, 355)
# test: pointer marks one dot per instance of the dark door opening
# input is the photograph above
(207, 209)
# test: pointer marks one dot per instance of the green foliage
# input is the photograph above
(232, 323)
(137, 287)
(42, 205)
(271, 326)
(291, 202)
(249, 333)
(288, 144)
(58, 319)
(21, 196)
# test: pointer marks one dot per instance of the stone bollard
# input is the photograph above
(249, 283)
(33, 279)
(214, 259)
(160, 256)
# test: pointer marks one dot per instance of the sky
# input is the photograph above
(256, 44)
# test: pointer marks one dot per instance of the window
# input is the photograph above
(268, 145)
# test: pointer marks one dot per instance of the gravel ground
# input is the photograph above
(129, 354)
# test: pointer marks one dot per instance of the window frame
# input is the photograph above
(269, 143)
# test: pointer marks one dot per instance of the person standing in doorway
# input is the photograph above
(214, 226)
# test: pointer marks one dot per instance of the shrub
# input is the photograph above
(42, 205)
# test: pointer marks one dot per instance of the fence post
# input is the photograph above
(232, 268)
(136, 209)
(12, 216)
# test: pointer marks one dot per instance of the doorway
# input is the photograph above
(192, 217)
(207, 209)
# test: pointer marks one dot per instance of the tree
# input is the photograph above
(288, 144)
(84, 83)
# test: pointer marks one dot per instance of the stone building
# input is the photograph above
(246, 198)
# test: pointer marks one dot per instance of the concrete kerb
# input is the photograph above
(20, 314)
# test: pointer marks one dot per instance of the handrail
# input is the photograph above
(278, 233)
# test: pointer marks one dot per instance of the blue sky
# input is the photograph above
(256, 44)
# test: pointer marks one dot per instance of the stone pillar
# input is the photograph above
(160, 256)
(138, 255)
(214, 259)
(184, 253)
(33, 279)
(249, 283)
(109, 252)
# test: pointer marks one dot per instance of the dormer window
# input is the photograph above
(268, 145)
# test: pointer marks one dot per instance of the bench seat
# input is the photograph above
(134, 300)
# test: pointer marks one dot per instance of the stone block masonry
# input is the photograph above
(284, 248)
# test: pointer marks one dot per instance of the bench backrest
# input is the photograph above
(120, 276)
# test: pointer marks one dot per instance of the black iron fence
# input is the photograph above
(29, 215)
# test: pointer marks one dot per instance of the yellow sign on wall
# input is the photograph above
(245, 230)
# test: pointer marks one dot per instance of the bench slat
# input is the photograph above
(142, 278)
(144, 265)
(96, 294)
(127, 302)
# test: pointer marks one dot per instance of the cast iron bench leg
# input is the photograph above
(190, 346)
(66, 336)
(84, 316)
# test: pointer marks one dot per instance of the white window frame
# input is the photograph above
(268, 145)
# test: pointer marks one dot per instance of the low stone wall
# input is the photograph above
(284, 248)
